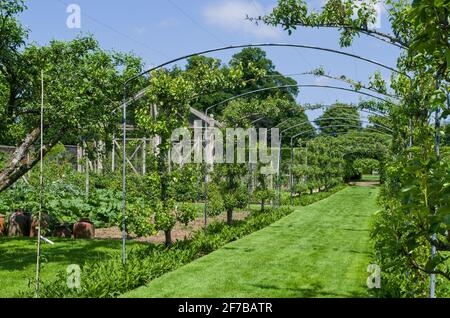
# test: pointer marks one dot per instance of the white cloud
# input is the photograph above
(230, 15)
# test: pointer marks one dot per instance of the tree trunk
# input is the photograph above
(168, 235)
(263, 205)
(21, 161)
(229, 217)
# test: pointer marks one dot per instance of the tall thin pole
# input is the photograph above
(250, 187)
(291, 180)
(278, 193)
(437, 141)
(86, 181)
(205, 182)
(113, 153)
(41, 189)
(124, 178)
(144, 157)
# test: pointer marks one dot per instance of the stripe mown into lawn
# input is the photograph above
(321, 250)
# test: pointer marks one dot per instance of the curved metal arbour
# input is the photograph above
(313, 130)
(291, 178)
(233, 47)
(300, 86)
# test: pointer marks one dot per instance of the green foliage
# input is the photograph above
(325, 162)
(308, 199)
(64, 193)
(232, 188)
(263, 193)
(215, 205)
(139, 218)
(366, 165)
(351, 17)
(77, 74)
(109, 278)
(173, 92)
(415, 195)
(346, 118)
(415, 202)
(270, 107)
(319, 164)
(189, 179)
(430, 20)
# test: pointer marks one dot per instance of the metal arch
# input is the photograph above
(124, 117)
(333, 78)
(271, 88)
(285, 45)
(338, 106)
(368, 111)
(299, 125)
(330, 118)
(291, 177)
(336, 126)
(296, 85)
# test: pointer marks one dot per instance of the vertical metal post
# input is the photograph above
(205, 178)
(86, 158)
(250, 187)
(278, 192)
(113, 154)
(306, 165)
(411, 132)
(291, 181)
(41, 189)
(437, 141)
(169, 160)
(144, 157)
(124, 177)
(205, 198)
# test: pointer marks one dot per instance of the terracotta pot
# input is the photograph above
(46, 222)
(63, 230)
(19, 224)
(84, 229)
(2, 225)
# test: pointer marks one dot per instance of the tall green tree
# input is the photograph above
(82, 83)
(345, 117)
(259, 72)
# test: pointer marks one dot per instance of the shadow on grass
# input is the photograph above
(240, 249)
(353, 230)
(314, 291)
(19, 253)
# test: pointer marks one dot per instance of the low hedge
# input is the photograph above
(109, 278)
(307, 199)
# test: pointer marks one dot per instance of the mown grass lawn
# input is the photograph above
(18, 259)
(321, 250)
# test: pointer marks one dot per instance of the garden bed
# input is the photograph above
(180, 231)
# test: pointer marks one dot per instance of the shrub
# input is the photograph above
(307, 199)
(110, 278)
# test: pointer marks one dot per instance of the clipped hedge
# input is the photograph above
(307, 199)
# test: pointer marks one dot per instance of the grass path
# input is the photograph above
(321, 250)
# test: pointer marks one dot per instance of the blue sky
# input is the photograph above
(158, 30)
